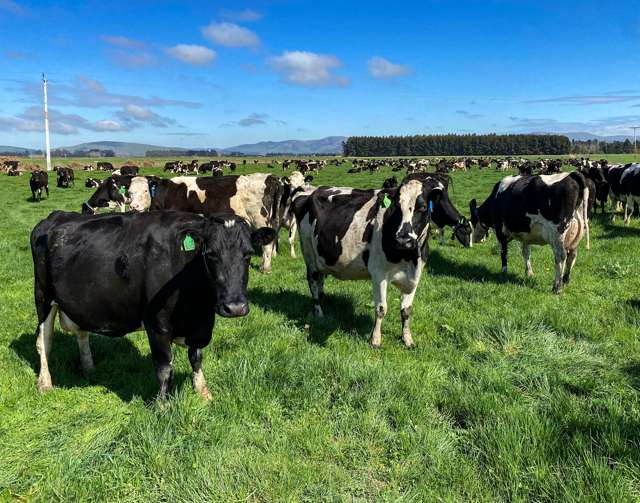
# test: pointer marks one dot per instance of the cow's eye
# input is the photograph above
(420, 204)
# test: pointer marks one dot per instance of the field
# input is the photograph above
(512, 393)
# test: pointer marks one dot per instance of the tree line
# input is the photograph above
(453, 144)
(602, 147)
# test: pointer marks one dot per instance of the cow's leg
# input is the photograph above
(571, 260)
(197, 377)
(560, 255)
(83, 342)
(292, 237)
(380, 301)
(441, 234)
(162, 357)
(628, 210)
(43, 345)
(406, 301)
(267, 253)
(316, 286)
(504, 249)
(526, 254)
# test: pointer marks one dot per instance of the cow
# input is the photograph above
(92, 183)
(359, 234)
(390, 183)
(88, 167)
(255, 198)
(39, 181)
(630, 189)
(542, 209)
(129, 170)
(111, 193)
(168, 272)
(600, 186)
(291, 185)
(445, 214)
(65, 177)
(104, 166)
(619, 191)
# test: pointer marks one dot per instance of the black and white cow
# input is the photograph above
(253, 197)
(129, 170)
(292, 185)
(92, 183)
(544, 209)
(39, 181)
(111, 193)
(168, 272)
(624, 187)
(360, 234)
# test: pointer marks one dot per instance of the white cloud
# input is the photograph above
(230, 35)
(246, 15)
(133, 115)
(308, 69)
(192, 54)
(381, 68)
(31, 120)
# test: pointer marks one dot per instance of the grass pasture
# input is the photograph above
(512, 393)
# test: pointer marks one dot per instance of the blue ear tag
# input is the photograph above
(430, 206)
(386, 201)
(152, 191)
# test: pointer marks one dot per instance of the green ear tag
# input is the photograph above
(386, 201)
(122, 190)
(188, 244)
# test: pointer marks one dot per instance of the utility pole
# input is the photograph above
(46, 123)
(635, 151)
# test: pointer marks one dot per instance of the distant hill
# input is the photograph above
(6, 148)
(583, 136)
(121, 148)
(328, 145)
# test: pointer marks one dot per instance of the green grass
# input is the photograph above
(512, 394)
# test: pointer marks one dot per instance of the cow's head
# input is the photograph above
(463, 232)
(141, 191)
(108, 192)
(227, 245)
(411, 203)
(480, 230)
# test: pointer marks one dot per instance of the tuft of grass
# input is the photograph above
(512, 393)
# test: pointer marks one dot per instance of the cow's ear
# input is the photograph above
(262, 236)
(190, 239)
(285, 180)
(434, 196)
(308, 179)
(473, 205)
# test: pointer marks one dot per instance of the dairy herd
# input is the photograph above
(181, 254)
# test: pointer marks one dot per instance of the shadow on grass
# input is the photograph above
(441, 265)
(119, 365)
(339, 312)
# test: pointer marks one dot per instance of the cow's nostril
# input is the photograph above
(234, 309)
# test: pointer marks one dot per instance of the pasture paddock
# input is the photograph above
(512, 393)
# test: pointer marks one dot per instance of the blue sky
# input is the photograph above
(191, 73)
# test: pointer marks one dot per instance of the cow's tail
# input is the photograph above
(582, 204)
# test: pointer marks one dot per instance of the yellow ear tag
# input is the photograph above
(188, 244)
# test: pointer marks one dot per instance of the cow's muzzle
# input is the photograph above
(233, 309)
(406, 242)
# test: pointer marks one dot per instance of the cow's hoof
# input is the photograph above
(265, 271)
(410, 345)
(44, 386)
(556, 290)
(375, 345)
(205, 394)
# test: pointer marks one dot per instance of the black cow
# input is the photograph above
(445, 214)
(359, 234)
(168, 272)
(545, 209)
(39, 181)
(253, 197)
(390, 183)
(129, 170)
(600, 186)
(65, 177)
